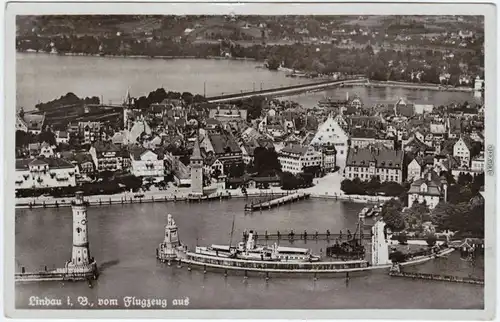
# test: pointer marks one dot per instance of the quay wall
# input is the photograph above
(103, 200)
(427, 86)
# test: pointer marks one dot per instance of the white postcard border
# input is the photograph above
(353, 8)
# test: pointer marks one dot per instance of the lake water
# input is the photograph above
(44, 77)
(123, 240)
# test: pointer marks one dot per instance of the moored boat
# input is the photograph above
(248, 250)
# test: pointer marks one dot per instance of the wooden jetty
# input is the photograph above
(316, 235)
(437, 277)
(259, 206)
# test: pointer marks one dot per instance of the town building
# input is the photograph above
(147, 164)
(477, 164)
(43, 172)
(462, 151)
(62, 137)
(423, 108)
(415, 168)
(430, 188)
(90, 132)
(47, 150)
(294, 158)
(365, 163)
(106, 156)
(362, 138)
(228, 113)
(331, 133)
(222, 146)
(29, 123)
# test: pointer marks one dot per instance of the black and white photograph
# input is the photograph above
(249, 160)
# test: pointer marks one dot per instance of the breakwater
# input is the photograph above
(438, 277)
(277, 202)
(55, 275)
(418, 86)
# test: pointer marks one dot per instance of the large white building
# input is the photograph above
(147, 164)
(294, 158)
(462, 150)
(366, 163)
(331, 133)
(45, 173)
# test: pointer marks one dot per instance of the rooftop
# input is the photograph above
(383, 157)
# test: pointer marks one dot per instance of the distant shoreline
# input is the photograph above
(370, 83)
(137, 56)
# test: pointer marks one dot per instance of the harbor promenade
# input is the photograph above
(327, 187)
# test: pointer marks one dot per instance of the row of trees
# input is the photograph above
(290, 181)
(65, 100)
(23, 139)
(372, 187)
(160, 94)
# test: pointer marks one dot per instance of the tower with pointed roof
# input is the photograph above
(196, 163)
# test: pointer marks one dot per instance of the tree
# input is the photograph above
(392, 189)
(23, 139)
(392, 214)
(464, 179)
(431, 240)
(397, 257)
(373, 185)
(288, 181)
(266, 161)
(402, 239)
(47, 136)
(419, 211)
(235, 170)
(354, 187)
(273, 63)
(187, 97)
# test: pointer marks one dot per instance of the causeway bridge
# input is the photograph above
(285, 91)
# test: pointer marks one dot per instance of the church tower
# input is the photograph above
(196, 162)
(80, 255)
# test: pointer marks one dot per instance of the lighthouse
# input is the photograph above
(81, 262)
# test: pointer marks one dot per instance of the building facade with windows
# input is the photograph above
(147, 164)
(366, 163)
(429, 189)
(106, 157)
(331, 133)
(294, 158)
(462, 150)
(45, 173)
